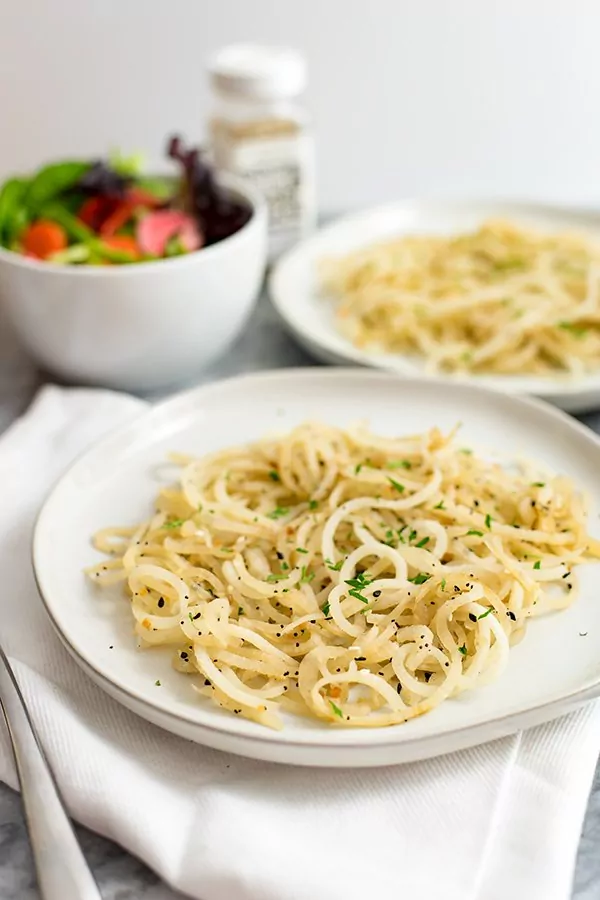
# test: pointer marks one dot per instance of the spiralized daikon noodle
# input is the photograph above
(358, 579)
(502, 300)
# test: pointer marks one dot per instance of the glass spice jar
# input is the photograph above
(260, 132)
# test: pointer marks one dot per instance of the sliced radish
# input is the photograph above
(156, 229)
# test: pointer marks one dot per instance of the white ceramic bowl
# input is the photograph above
(138, 327)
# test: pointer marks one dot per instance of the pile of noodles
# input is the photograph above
(358, 579)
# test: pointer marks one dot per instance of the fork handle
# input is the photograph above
(62, 871)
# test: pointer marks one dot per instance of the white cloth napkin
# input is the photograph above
(499, 821)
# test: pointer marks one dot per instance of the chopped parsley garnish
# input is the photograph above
(421, 578)
(305, 576)
(190, 617)
(577, 331)
(422, 542)
(240, 611)
(157, 683)
(325, 609)
(412, 535)
(466, 451)
(357, 595)
(273, 578)
(336, 709)
(389, 535)
(537, 565)
(274, 476)
(301, 550)
(509, 262)
(486, 613)
(473, 531)
(396, 485)
(284, 566)
(337, 566)
(357, 468)
(312, 504)
(174, 523)
(399, 464)
(440, 505)
(278, 512)
(358, 584)
(360, 580)
(463, 650)
(538, 484)
(488, 521)
(443, 584)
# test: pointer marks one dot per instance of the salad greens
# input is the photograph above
(107, 212)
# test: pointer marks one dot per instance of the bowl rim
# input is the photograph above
(233, 183)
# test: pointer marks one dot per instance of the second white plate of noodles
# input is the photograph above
(555, 667)
(298, 295)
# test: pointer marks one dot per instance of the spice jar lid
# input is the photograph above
(258, 72)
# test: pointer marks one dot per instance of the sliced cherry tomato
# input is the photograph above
(96, 210)
(117, 219)
(140, 197)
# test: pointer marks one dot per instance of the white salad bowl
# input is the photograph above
(142, 326)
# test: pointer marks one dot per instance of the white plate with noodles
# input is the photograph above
(502, 294)
(335, 567)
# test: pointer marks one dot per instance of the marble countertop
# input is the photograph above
(264, 345)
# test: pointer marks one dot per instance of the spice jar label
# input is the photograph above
(282, 169)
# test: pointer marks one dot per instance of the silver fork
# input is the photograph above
(62, 871)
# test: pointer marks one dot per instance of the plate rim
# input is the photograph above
(547, 387)
(238, 730)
